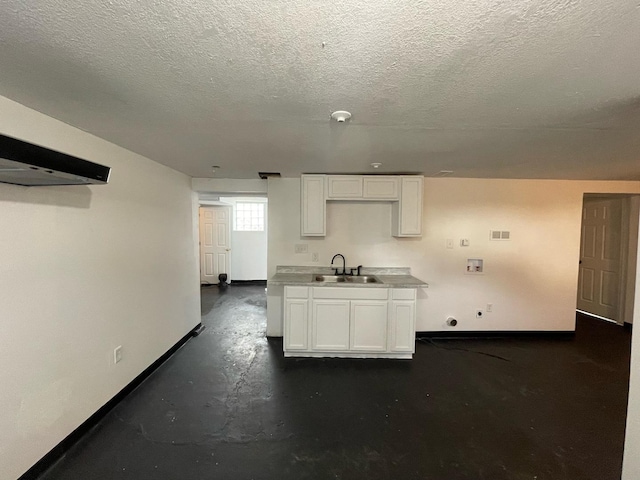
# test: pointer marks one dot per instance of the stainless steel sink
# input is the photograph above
(345, 278)
(329, 278)
(362, 279)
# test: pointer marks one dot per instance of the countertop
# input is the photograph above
(392, 277)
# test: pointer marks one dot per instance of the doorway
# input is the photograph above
(248, 237)
(233, 238)
(608, 251)
(215, 243)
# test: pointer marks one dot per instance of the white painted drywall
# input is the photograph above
(83, 270)
(631, 461)
(632, 257)
(248, 249)
(229, 185)
(531, 280)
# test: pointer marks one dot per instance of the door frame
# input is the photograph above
(628, 251)
(229, 254)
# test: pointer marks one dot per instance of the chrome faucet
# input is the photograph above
(344, 264)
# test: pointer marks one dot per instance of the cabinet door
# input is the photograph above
(295, 324)
(369, 325)
(407, 213)
(379, 187)
(313, 204)
(344, 187)
(330, 320)
(402, 325)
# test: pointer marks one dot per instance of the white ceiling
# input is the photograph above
(486, 88)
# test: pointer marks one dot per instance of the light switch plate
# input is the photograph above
(117, 354)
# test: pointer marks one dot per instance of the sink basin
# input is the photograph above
(329, 278)
(345, 278)
(362, 279)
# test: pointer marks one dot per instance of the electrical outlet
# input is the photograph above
(464, 242)
(117, 354)
(489, 307)
(301, 248)
(479, 314)
(449, 242)
(314, 257)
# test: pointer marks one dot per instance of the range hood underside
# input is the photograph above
(23, 163)
(20, 174)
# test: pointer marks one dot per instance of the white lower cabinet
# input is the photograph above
(349, 322)
(330, 320)
(369, 325)
(296, 316)
(402, 320)
(403, 334)
(296, 324)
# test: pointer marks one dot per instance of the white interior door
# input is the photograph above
(599, 281)
(215, 243)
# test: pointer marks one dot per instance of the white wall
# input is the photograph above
(531, 280)
(631, 462)
(83, 270)
(246, 186)
(632, 256)
(248, 249)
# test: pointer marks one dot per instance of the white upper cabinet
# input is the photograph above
(379, 187)
(407, 213)
(313, 205)
(359, 187)
(344, 187)
(403, 191)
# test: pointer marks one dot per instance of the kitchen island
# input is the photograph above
(345, 317)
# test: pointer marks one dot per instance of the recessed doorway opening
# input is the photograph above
(608, 254)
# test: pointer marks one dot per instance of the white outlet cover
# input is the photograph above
(117, 354)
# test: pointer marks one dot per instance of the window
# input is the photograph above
(249, 217)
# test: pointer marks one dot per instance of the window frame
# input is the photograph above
(255, 217)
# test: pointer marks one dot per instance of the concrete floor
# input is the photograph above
(229, 406)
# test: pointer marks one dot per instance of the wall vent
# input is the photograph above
(265, 175)
(500, 235)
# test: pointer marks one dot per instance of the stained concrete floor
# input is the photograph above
(229, 406)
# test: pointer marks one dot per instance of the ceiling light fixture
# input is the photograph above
(376, 164)
(341, 116)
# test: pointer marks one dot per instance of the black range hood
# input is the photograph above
(23, 163)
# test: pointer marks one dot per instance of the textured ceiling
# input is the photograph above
(486, 88)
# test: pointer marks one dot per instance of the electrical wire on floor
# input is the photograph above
(428, 340)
